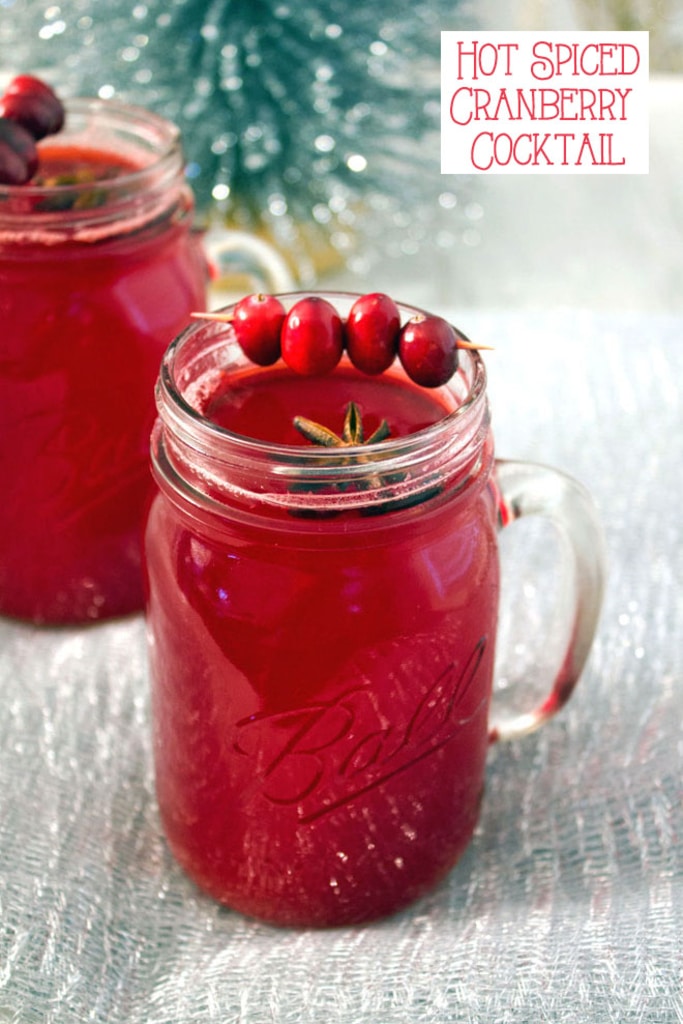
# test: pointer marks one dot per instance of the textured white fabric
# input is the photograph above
(568, 906)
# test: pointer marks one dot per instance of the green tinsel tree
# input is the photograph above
(309, 122)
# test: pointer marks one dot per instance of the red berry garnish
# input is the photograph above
(258, 320)
(312, 338)
(428, 350)
(18, 153)
(33, 105)
(372, 329)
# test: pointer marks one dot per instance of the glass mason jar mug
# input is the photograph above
(100, 268)
(322, 627)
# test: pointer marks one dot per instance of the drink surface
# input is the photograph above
(263, 405)
(65, 164)
(320, 695)
(85, 325)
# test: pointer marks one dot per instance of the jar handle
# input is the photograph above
(231, 251)
(527, 489)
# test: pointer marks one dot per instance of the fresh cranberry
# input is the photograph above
(258, 320)
(428, 350)
(372, 328)
(312, 337)
(18, 154)
(33, 105)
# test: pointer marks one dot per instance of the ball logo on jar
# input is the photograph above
(64, 441)
(321, 756)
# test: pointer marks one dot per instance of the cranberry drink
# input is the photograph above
(322, 600)
(98, 270)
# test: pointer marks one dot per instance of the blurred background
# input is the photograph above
(316, 126)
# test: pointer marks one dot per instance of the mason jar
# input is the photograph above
(322, 631)
(99, 268)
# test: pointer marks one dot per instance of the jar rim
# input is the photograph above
(109, 126)
(196, 455)
(216, 331)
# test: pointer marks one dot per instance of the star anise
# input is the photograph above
(352, 432)
(353, 435)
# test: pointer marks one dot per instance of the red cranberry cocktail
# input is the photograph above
(98, 270)
(323, 587)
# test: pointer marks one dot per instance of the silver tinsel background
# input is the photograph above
(568, 906)
(315, 123)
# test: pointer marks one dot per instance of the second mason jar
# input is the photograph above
(99, 268)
